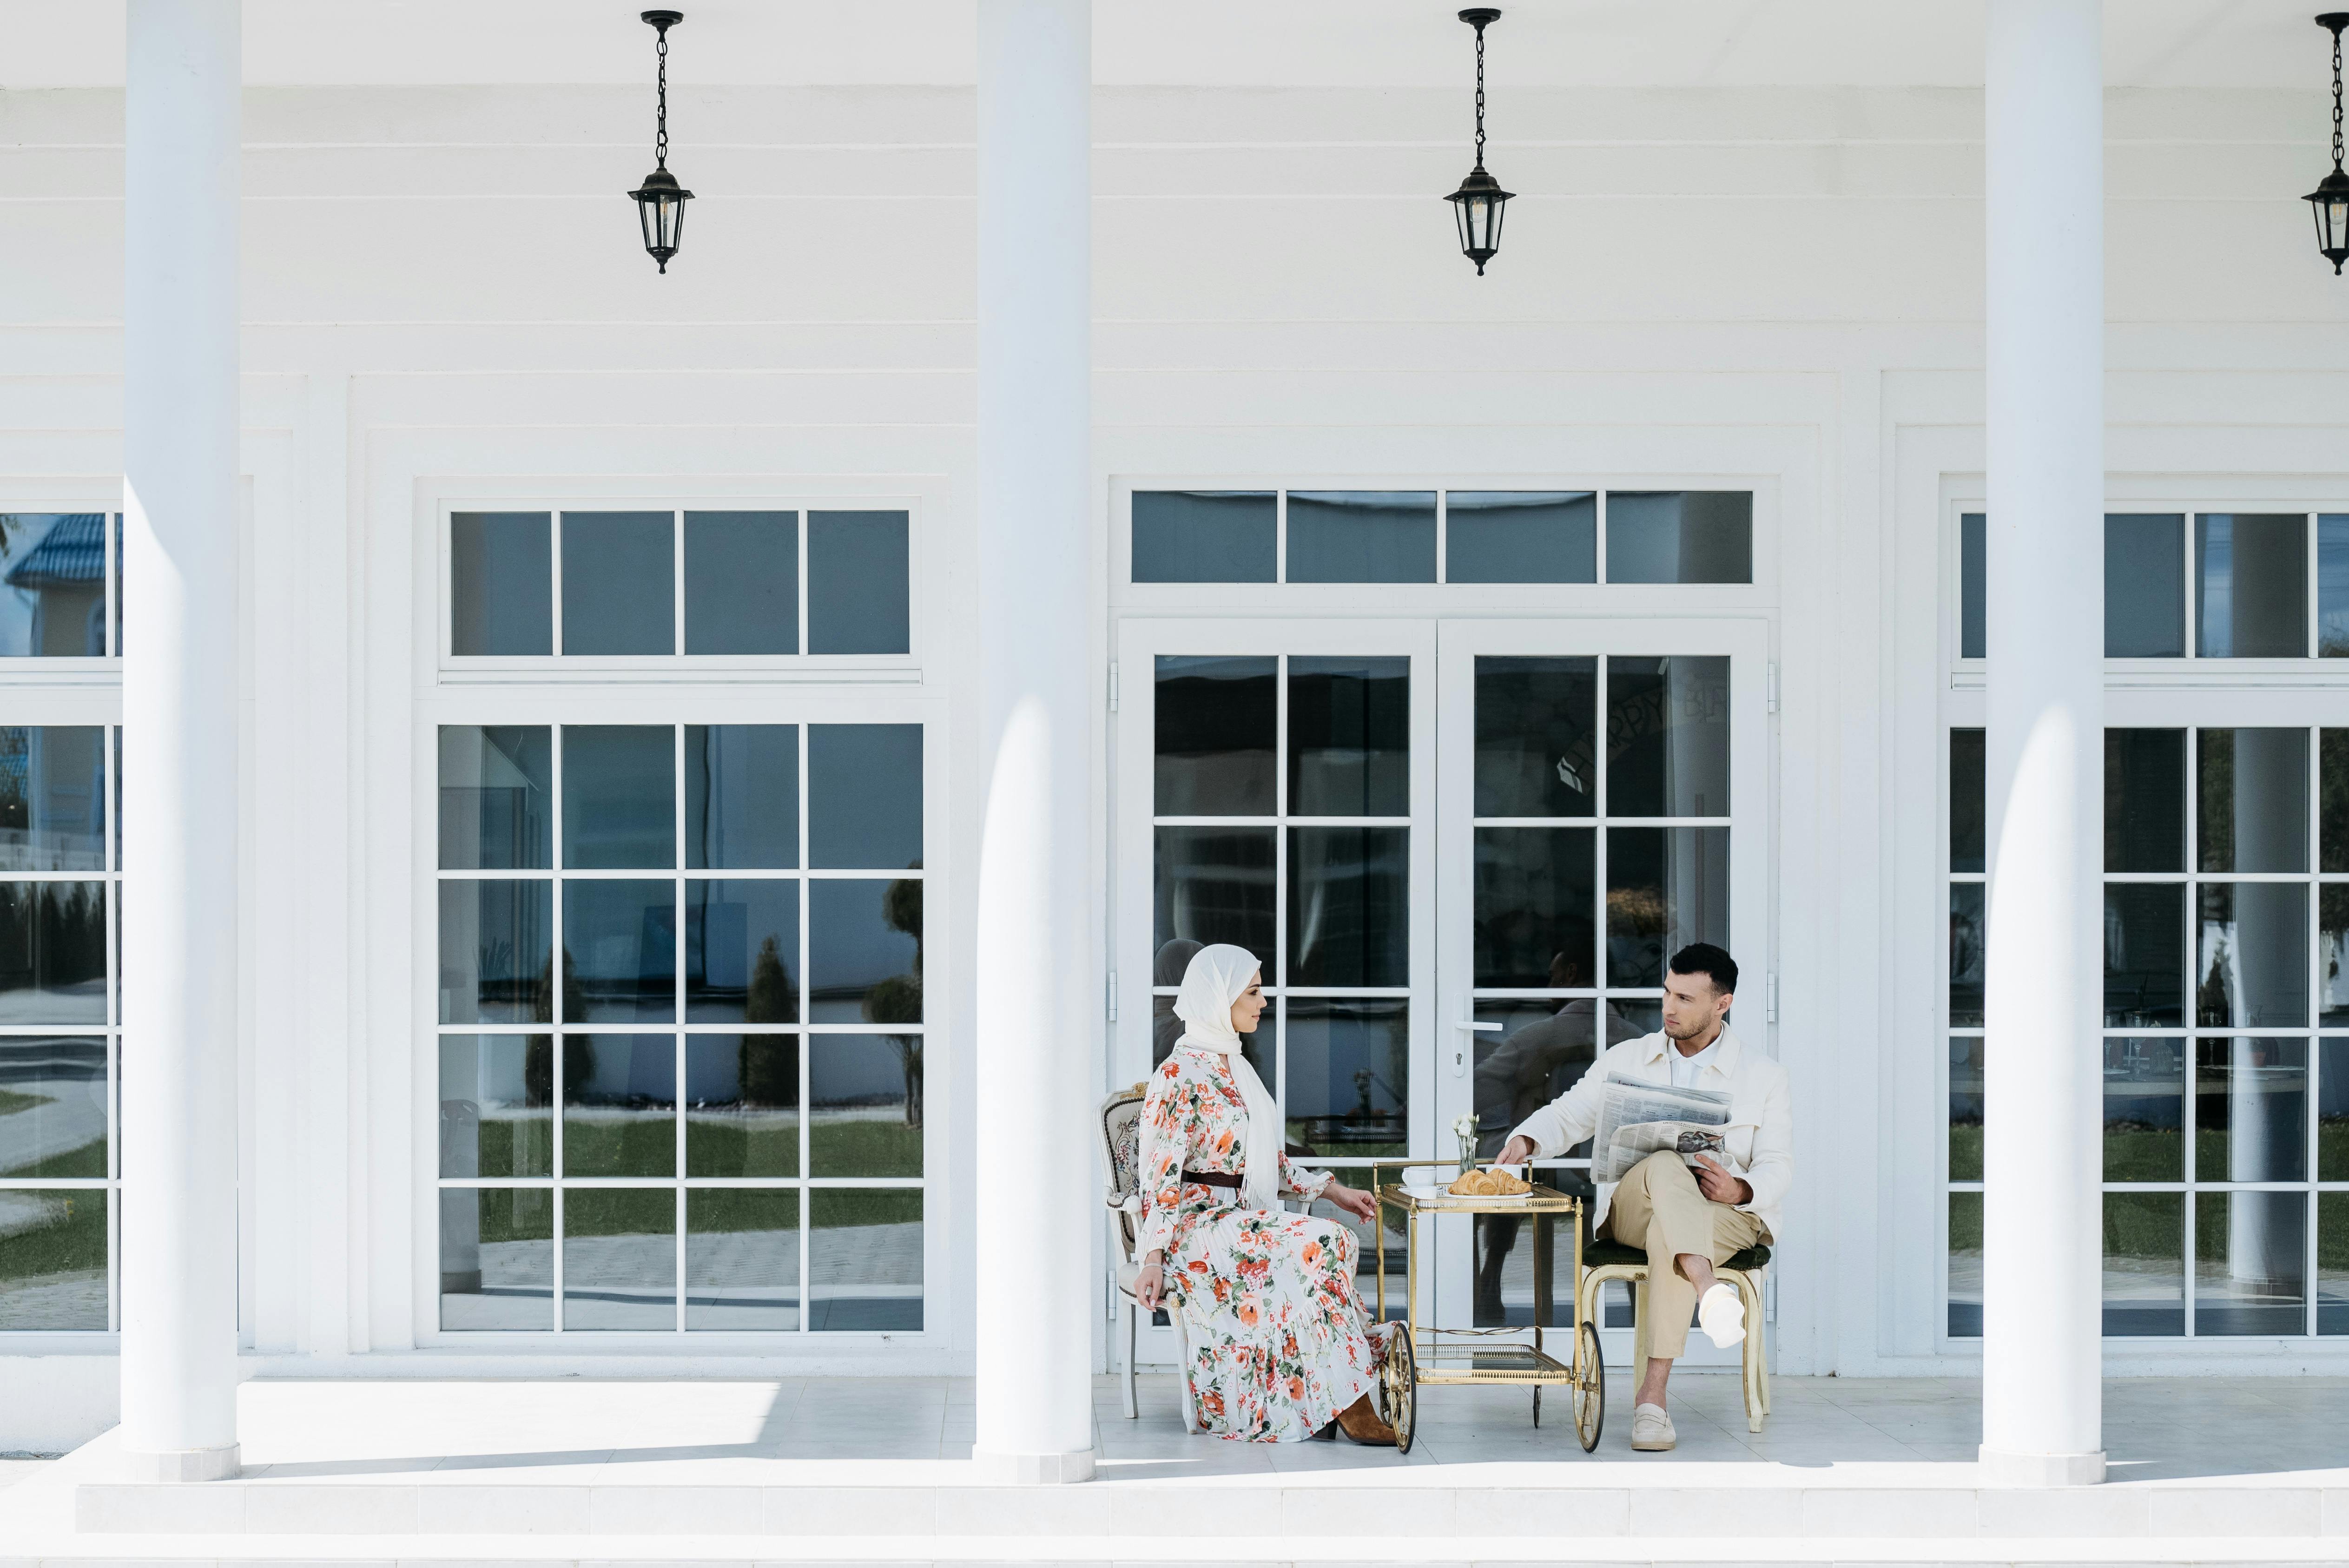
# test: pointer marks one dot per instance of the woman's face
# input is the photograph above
(1250, 1006)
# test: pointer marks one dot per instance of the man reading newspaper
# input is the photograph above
(1694, 1156)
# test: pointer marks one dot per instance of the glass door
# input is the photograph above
(1600, 790)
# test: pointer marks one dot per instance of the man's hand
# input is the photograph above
(1517, 1151)
(1719, 1185)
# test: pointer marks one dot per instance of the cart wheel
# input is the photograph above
(1399, 1383)
(1589, 1388)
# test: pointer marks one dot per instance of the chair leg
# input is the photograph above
(1755, 1356)
(1183, 1372)
(1132, 1329)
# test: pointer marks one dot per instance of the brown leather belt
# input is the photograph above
(1215, 1179)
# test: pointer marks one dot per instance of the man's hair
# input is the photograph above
(1703, 958)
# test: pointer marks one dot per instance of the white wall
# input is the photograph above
(445, 294)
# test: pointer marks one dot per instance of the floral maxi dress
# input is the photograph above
(1279, 1340)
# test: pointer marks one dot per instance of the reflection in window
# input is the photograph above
(1348, 738)
(2145, 1108)
(53, 565)
(497, 796)
(1215, 884)
(2145, 1265)
(1680, 536)
(2332, 586)
(496, 1097)
(1967, 945)
(2252, 956)
(741, 582)
(2250, 1109)
(2250, 1267)
(1535, 893)
(1666, 888)
(1347, 1073)
(1215, 737)
(619, 1258)
(2145, 586)
(496, 942)
(860, 598)
(2144, 800)
(865, 1105)
(2332, 1262)
(619, 951)
(52, 953)
(2250, 585)
(865, 951)
(1969, 834)
(1974, 591)
(619, 587)
(865, 1259)
(742, 1105)
(501, 584)
(1362, 536)
(1668, 737)
(1537, 737)
(741, 950)
(1966, 1107)
(1520, 536)
(741, 797)
(1204, 536)
(53, 1260)
(1349, 906)
(2252, 798)
(619, 1105)
(619, 796)
(1965, 1265)
(497, 1258)
(1542, 1050)
(741, 1259)
(864, 796)
(2145, 955)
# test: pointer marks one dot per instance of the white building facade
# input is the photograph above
(624, 661)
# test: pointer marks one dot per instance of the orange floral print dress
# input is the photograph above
(1279, 1340)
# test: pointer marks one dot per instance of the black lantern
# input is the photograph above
(2330, 200)
(660, 199)
(1477, 205)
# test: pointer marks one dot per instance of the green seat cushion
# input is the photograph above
(1607, 1250)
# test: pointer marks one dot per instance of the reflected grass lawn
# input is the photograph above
(12, 1101)
(82, 1160)
(70, 1240)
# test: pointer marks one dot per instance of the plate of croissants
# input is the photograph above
(1491, 1184)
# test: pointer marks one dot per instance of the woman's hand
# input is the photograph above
(1352, 1199)
(1150, 1286)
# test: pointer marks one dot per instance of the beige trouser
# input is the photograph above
(1659, 1206)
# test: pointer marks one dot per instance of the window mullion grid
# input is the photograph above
(676, 598)
(2193, 597)
(557, 976)
(677, 919)
(555, 561)
(2189, 1013)
(805, 1001)
(1602, 979)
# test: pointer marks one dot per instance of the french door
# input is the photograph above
(1463, 849)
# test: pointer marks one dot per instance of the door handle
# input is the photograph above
(1460, 1050)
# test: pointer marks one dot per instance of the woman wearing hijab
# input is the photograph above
(1280, 1347)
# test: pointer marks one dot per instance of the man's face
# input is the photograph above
(1691, 1006)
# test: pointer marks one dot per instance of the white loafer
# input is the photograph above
(1722, 1316)
(1651, 1429)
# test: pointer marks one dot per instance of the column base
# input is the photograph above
(2003, 1467)
(184, 1464)
(1035, 1470)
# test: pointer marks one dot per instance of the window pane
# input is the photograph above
(53, 1260)
(496, 939)
(1204, 536)
(52, 1107)
(1968, 835)
(119, 578)
(864, 796)
(1537, 737)
(2251, 585)
(495, 1094)
(1214, 884)
(859, 583)
(741, 1260)
(52, 953)
(1666, 887)
(2333, 954)
(2252, 955)
(497, 1258)
(2145, 1110)
(2332, 588)
(619, 952)
(2145, 955)
(2252, 800)
(1966, 1107)
(741, 582)
(2333, 1113)
(864, 952)
(741, 797)
(1349, 906)
(1362, 536)
(619, 583)
(1512, 1275)
(2145, 586)
(619, 1258)
(1965, 1265)
(1535, 908)
(1543, 1050)
(741, 950)
(865, 1259)
(53, 798)
(2332, 800)
(1973, 586)
(742, 1105)
(54, 564)
(497, 796)
(501, 584)
(2332, 1262)
(1348, 1093)
(1966, 947)
(1215, 736)
(2145, 1264)
(1668, 737)
(865, 1105)
(1680, 536)
(1520, 536)
(619, 1105)
(619, 796)
(2250, 1109)
(2145, 800)
(1348, 738)
(2250, 1273)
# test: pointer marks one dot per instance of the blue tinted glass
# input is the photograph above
(53, 952)
(495, 941)
(1348, 1071)
(501, 584)
(619, 1105)
(2145, 586)
(2145, 955)
(1520, 536)
(619, 796)
(1973, 578)
(619, 951)
(53, 798)
(1349, 736)
(741, 797)
(54, 567)
(865, 951)
(1680, 536)
(1362, 536)
(742, 951)
(1204, 536)
(867, 1275)
(497, 796)
(865, 1105)
(864, 796)
(1349, 906)
(619, 587)
(2251, 585)
(2333, 586)
(859, 583)
(1215, 723)
(741, 582)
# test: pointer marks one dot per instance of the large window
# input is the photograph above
(680, 1028)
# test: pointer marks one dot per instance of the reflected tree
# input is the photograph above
(898, 999)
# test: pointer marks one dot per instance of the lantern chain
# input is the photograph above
(1480, 95)
(2336, 100)
(660, 112)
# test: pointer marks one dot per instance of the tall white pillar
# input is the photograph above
(2042, 1158)
(1037, 951)
(179, 708)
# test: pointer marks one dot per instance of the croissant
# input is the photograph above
(1488, 1184)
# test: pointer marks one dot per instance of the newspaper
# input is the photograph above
(1637, 1120)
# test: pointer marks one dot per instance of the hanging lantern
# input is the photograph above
(1478, 205)
(2330, 200)
(660, 199)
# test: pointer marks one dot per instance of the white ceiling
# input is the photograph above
(1225, 43)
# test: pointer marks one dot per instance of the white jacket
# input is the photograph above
(1759, 1138)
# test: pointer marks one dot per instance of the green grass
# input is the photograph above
(71, 1240)
(11, 1102)
(842, 1147)
(82, 1160)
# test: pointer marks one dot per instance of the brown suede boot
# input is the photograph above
(1361, 1424)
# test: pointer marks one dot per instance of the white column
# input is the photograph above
(2043, 1236)
(179, 714)
(1036, 954)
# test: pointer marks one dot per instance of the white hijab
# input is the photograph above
(1214, 982)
